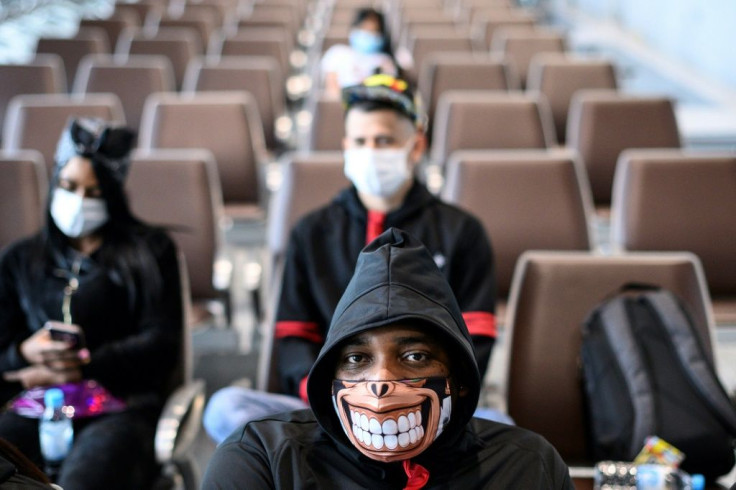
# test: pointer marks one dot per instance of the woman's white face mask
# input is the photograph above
(378, 171)
(77, 216)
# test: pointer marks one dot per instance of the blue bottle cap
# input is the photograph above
(53, 397)
(697, 481)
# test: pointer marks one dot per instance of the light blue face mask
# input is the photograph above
(365, 41)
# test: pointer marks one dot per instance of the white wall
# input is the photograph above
(701, 33)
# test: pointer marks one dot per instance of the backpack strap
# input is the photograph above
(615, 321)
(688, 348)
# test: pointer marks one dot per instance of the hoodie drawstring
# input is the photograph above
(418, 475)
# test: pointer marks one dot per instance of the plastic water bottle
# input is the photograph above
(55, 431)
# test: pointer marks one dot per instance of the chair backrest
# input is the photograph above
(422, 43)
(23, 187)
(179, 44)
(310, 180)
(180, 191)
(675, 200)
(226, 123)
(267, 12)
(147, 12)
(327, 128)
(114, 25)
(132, 79)
(527, 200)
(36, 121)
(485, 23)
(487, 119)
(602, 123)
(42, 75)
(463, 71)
(88, 40)
(261, 41)
(520, 45)
(204, 23)
(558, 76)
(551, 295)
(259, 75)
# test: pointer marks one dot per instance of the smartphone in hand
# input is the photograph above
(65, 333)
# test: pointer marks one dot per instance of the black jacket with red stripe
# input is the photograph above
(320, 261)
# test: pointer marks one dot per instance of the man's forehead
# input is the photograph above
(401, 334)
(381, 120)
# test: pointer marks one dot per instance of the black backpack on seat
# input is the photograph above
(646, 373)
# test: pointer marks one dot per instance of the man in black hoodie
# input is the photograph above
(392, 395)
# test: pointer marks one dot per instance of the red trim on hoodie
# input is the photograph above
(303, 390)
(306, 330)
(374, 227)
(418, 475)
(481, 323)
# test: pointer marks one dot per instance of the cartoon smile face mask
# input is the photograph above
(393, 420)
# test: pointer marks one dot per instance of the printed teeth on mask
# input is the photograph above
(392, 433)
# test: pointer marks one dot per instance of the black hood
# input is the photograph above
(396, 281)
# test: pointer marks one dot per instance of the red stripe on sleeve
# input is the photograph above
(303, 390)
(480, 323)
(305, 330)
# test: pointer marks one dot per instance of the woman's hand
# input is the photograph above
(40, 375)
(33, 348)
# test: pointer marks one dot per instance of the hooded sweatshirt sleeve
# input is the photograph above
(299, 335)
(472, 279)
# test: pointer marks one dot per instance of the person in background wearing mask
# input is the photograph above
(383, 145)
(369, 53)
(110, 284)
(392, 395)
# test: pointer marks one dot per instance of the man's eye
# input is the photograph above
(416, 356)
(354, 358)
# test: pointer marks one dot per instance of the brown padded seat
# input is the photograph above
(490, 120)
(527, 200)
(227, 124)
(603, 123)
(261, 41)
(180, 190)
(132, 79)
(205, 23)
(520, 45)
(463, 71)
(259, 75)
(328, 126)
(88, 40)
(310, 180)
(36, 121)
(675, 200)
(42, 75)
(179, 44)
(23, 187)
(551, 295)
(559, 75)
(113, 26)
(486, 23)
(422, 43)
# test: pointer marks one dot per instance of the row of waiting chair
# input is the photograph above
(665, 200)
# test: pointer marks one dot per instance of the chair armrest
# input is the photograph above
(179, 422)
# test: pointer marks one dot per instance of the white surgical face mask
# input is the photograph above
(378, 172)
(76, 216)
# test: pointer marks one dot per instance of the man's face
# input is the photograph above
(392, 392)
(382, 129)
(393, 352)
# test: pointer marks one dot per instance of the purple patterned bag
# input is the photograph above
(86, 398)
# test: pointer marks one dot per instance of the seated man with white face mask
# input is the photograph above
(392, 392)
(383, 145)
